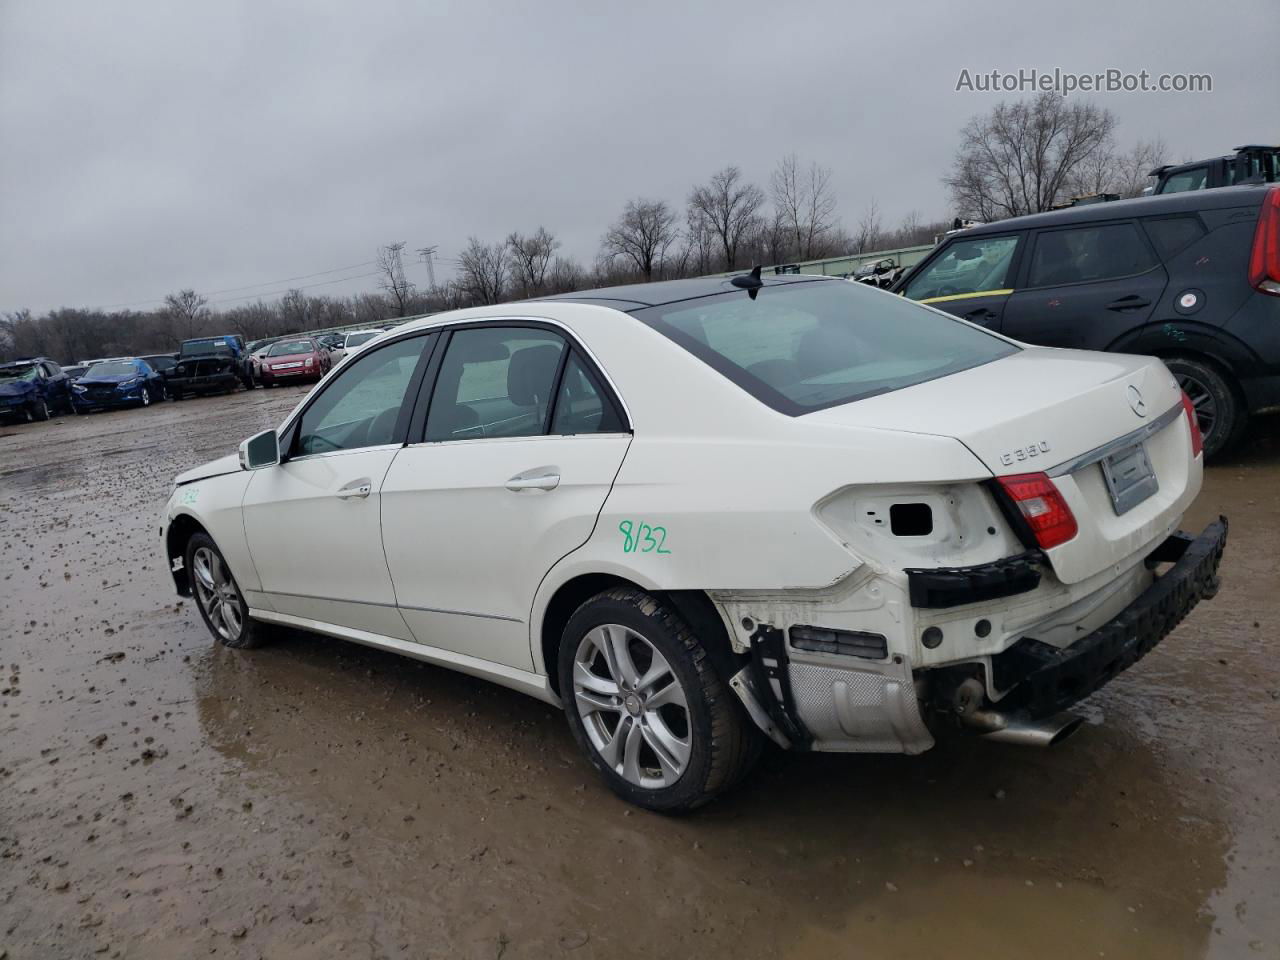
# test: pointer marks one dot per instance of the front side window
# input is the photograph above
(494, 382)
(969, 266)
(361, 407)
(1088, 254)
(801, 347)
(1193, 179)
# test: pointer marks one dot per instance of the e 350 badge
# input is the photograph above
(1024, 453)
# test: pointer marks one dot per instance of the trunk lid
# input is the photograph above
(1047, 410)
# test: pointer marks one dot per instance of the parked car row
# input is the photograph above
(37, 388)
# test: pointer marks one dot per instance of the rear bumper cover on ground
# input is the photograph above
(1040, 680)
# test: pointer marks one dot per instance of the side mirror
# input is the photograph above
(260, 450)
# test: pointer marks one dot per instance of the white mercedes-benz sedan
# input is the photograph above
(704, 513)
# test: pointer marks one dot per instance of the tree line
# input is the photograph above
(1020, 157)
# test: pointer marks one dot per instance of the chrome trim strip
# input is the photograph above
(1097, 454)
(526, 681)
(393, 606)
(462, 613)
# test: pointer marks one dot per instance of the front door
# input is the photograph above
(1085, 286)
(521, 445)
(969, 278)
(313, 522)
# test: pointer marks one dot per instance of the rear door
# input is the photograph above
(969, 277)
(1085, 285)
(520, 447)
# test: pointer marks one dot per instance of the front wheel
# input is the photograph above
(40, 410)
(646, 705)
(146, 396)
(222, 607)
(1219, 413)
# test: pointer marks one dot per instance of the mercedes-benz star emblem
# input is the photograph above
(1136, 402)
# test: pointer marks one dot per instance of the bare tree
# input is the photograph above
(729, 207)
(1108, 170)
(642, 235)
(186, 310)
(482, 271)
(870, 231)
(1020, 157)
(391, 278)
(531, 258)
(805, 203)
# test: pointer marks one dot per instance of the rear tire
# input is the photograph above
(1219, 412)
(647, 706)
(218, 596)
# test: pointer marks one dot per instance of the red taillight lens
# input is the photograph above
(1264, 260)
(1047, 513)
(1197, 441)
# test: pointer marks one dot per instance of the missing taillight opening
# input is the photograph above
(1040, 503)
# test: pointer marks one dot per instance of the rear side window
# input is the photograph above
(1172, 235)
(967, 267)
(800, 347)
(581, 405)
(494, 382)
(1193, 179)
(1088, 254)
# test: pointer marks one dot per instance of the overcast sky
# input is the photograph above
(148, 146)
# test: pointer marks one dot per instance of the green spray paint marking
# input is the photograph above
(189, 495)
(640, 537)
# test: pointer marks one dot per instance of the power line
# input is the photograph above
(265, 283)
(304, 286)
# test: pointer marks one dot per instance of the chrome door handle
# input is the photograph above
(534, 480)
(356, 490)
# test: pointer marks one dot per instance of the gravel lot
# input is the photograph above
(163, 797)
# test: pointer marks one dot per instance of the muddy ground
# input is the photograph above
(163, 797)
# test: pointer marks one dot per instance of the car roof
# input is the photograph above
(633, 296)
(1188, 201)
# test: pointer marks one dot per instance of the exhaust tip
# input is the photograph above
(1032, 733)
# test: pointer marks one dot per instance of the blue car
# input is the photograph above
(33, 389)
(117, 383)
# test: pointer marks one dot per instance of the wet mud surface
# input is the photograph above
(163, 797)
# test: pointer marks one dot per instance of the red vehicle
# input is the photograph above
(294, 361)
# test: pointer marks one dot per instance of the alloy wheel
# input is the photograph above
(217, 593)
(632, 705)
(1202, 401)
(146, 397)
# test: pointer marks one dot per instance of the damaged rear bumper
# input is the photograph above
(1038, 680)
(807, 702)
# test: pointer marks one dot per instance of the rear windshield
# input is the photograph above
(800, 347)
(290, 347)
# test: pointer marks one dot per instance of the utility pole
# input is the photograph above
(428, 257)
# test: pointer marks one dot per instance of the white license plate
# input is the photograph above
(1129, 477)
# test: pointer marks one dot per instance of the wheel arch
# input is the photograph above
(694, 606)
(181, 529)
